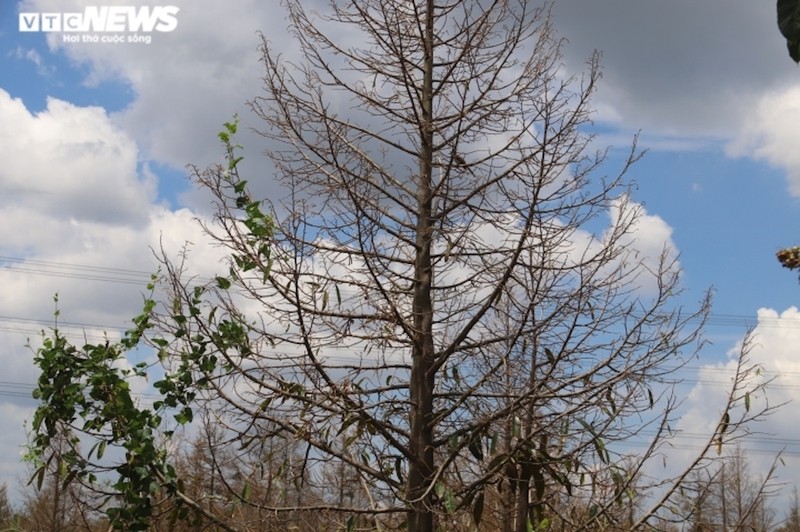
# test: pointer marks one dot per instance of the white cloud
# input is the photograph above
(649, 236)
(644, 251)
(71, 160)
(771, 134)
(774, 347)
(73, 194)
(34, 57)
(187, 82)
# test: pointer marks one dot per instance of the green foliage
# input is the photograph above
(86, 392)
(259, 224)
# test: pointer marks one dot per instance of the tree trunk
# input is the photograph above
(523, 497)
(421, 464)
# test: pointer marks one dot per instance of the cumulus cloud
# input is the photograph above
(74, 154)
(650, 235)
(74, 190)
(645, 248)
(771, 134)
(71, 179)
(80, 215)
(773, 347)
(187, 82)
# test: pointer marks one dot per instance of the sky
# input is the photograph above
(95, 139)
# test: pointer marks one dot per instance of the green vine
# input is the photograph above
(86, 392)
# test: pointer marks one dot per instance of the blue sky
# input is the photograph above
(708, 84)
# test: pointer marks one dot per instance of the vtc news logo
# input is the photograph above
(104, 19)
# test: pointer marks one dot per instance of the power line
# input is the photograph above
(61, 323)
(130, 276)
(140, 277)
(75, 271)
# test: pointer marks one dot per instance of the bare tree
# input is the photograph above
(438, 310)
(7, 513)
(729, 497)
(49, 502)
(224, 479)
(791, 522)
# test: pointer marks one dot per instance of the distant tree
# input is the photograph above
(7, 513)
(434, 326)
(791, 522)
(729, 497)
(50, 502)
(224, 479)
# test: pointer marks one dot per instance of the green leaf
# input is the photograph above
(69, 479)
(447, 496)
(610, 399)
(600, 447)
(516, 427)
(477, 509)
(184, 416)
(497, 461)
(789, 19)
(588, 427)
(476, 448)
(39, 476)
(223, 283)
(747, 402)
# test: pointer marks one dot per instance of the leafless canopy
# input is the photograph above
(446, 317)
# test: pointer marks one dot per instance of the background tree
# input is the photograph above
(225, 480)
(436, 310)
(729, 497)
(7, 513)
(791, 522)
(50, 502)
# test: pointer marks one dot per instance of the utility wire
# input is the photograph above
(13, 324)
(141, 277)
(75, 271)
